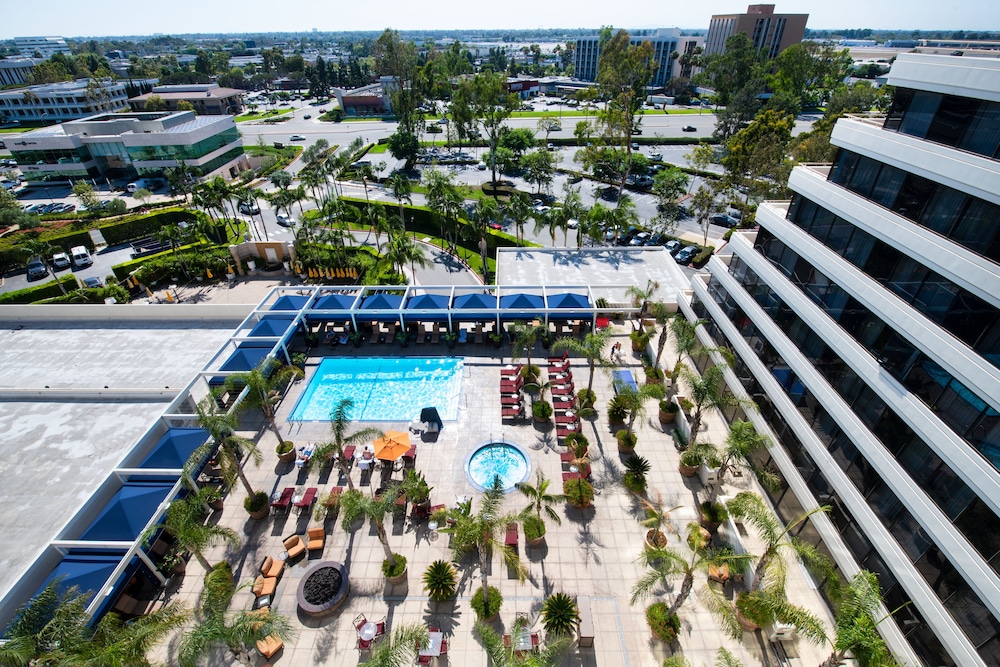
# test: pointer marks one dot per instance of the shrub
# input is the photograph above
(39, 292)
(255, 502)
(440, 580)
(541, 409)
(491, 606)
(617, 410)
(560, 615)
(716, 513)
(662, 623)
(578, 492)
(666, 405)
(397, 569)
(534, 528)
(625, 439)
(636, 468)
(702, 257)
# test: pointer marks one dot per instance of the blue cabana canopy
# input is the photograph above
(289, 302)
(568, 300)
(474, 302)
(521, 302)
(271, 327)
(128, 512)
(86, 572)
(175, 448)
(334, 302)
(245, 358)
(382, 302)
(428, 302)
(623, 378)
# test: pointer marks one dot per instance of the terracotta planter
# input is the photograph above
(216, 505)
(398, 580)
(666, 417)
(535, 542)
(656, 538)
(687, 471)
(286, 457)
(261, 513)
(746, 623)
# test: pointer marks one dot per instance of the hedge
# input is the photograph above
(40, 292)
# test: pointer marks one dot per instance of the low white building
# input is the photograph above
(46, 46)
(59, 102)
(15, 71)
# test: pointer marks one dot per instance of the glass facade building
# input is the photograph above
(864, 317)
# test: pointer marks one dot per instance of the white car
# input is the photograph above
(285, 221)
(572, 223)
(296, 137)
(60, 261)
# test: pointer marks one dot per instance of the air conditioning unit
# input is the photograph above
(779, 632)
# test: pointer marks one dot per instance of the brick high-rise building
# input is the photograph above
(770, 33)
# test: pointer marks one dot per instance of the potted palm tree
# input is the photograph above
(656, 520)
(636, 469)
(265, 386)
(356, 505)
(560, 615)
(579, 492)
(451, 339)
(257, 505)
(668, 411)
(634, 401)
(285, 451)
(541, 410)
(440, 580)
(713, 514)
(539, 499)
(417, 491)
(640, 339)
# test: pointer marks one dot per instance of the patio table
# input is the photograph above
(434, 648)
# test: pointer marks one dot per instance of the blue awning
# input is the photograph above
(86, 572)
(175, 448)
(245, 358)
(568, 300)
(521, 302)
(487, 303)
(271, 327)
(428, 302)
(289, 302)
(334, 302)
(382, 302)
(128, 511)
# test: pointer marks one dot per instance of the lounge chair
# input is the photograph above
(559, 359)
(511, 538)
(567, 419)
(307, 499)
(511, 373)
(567, 457)
(563, 390)
(294, 546)
(566, 431)
(317, 538)
(436, 335)
(285, 499)
(272, 567)
(410, 457)
(264, 585)
(349, 454)
(515, 412)
(508, 401)
(463, 336)
(270, 645)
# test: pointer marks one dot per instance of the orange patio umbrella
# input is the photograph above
(392, 445)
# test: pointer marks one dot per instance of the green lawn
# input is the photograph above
(379, 148)
(261, 116)
(12, 130)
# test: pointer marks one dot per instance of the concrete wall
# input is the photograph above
(224, 312)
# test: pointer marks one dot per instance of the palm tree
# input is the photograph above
(855, 627)
(236, 630)
(665, 563)
(486, 212)
(339, 421)
(43, 250)
(742, 443)
(524, 337)
(573, 209)
(400, 647)
(641, 297)
(484, 532)
(185, 521)
(657, 518)
(403, 250)
(684, 333)
(402, 191)
(519, 208)
(221, 428)
(355, 505)
(635, 400)
(560, 615)
(709, 391)
(548, 655)
(265, 385)
(777, 540)
(540, 498)
(592, 347)
(53, 628)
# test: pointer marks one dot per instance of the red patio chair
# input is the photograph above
(349, 455)
(511, 539)
(359, 621)
(410, 457)
(424, 659)
(307, 499)
(534, 640)
(364, 644)
(444, 646)
(506, 641)
(567, 419)
(433, 629)
(564, 390)
(603, 322)
(567, 457)
(511, 373)
(563, 357)
(380, 628)
(510, 400)
(285, 499)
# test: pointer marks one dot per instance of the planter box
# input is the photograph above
(683, 425)
(707, 475)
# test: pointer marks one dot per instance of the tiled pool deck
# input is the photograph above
(592, 553)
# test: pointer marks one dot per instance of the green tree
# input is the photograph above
(404, 146)
(856, 628)
(519, 209)
(635, 400)
(53, 628)
(540, 498)
(592, 348)
(738, 454)
(154, 103)
(524, 336)
(400, 647)
(221, 427)
(355, 505)
(500, 655)
(704, 205)
(398, 58)
(218, 626)
(518, 139)
(185, 521)
(339, 423)
(708, 391)
(665, 563)
(401, 188)
(669, 185)
(539, 168)
(484, 533)
(265, 386)
(756, 157)
(492, 105)
(84, 192)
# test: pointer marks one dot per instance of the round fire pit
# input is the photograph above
(323, 588)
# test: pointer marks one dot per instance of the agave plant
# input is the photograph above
(439, 581)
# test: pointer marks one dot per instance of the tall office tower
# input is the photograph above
(770, 33)
(865, 319)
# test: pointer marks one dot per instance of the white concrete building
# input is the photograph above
(865, 319)
(46, 46)
(15, 71)
(59, 102)
(665, 42)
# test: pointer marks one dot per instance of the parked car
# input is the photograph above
(92, 283)
(640, 239)
(656, 156)
(689, 128)
(307, 116)
(686, 254)
(60, 261)
(249, 208)
(550, 146)
(37, 269)
(496, 226)
(572, 223)
(443, 121)
(635, 146)
(658, 238)
(643, 181)
(673, 247)
(296, 137)
(285, 221)
(724, 220)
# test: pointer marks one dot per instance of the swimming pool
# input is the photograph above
(383, 388)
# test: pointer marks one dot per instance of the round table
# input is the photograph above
(367, 631)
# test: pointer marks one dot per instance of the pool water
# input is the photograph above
(490, 460)
(384, 389)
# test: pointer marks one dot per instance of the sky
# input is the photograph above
(82, 18)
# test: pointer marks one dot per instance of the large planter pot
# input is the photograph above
(666, 417)
(538, 541)
(656, 538)
(746, 623)
(261, 513)
(687, 471)
(399, 579)
(216, 505)
(286, 457)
